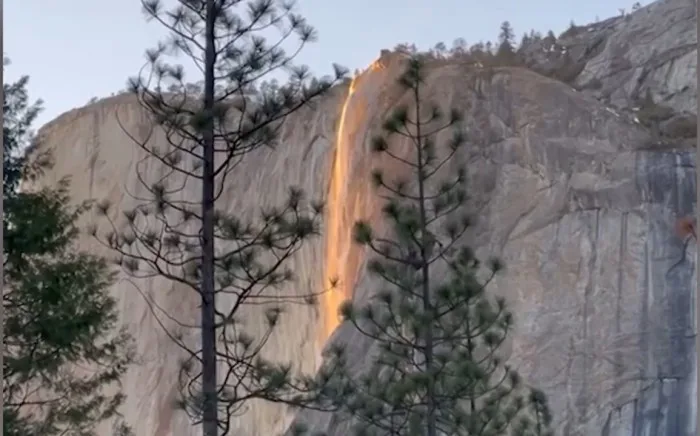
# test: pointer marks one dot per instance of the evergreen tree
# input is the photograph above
(478, 52)
(61, 347)
(524, 42)
(440, 49)
(506, 41)
(459, 47)
(535, 36)
(550, 40)
(406, 48)
(437, 370)
(194, 242)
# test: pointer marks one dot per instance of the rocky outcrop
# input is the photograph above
(575, 198)
(621, 59)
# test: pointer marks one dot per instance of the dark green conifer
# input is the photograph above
(438, 367)
(63, 353)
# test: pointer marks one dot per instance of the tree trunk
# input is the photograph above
(431, 424)
(209, 377)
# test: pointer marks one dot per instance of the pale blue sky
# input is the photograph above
(76, 49)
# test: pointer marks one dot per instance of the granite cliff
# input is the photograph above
(572, 190)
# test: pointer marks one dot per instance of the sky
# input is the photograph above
(74, 50)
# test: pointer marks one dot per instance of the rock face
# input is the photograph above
(571, 195)
(583, 218)
(619, 59)
(91, 146)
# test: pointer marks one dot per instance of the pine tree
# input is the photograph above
(506, 41)
(535, 36)
(440, 49)
(437, 369)
(524, 42)
(459, 47)
(62, 350)
(210, 251)
(550, 41)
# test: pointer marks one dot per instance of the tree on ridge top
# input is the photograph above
(195, 243)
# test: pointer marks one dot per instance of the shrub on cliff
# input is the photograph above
(62, 352)
(438, 367)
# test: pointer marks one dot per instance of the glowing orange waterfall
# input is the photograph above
(343, 206)
(336, 227)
